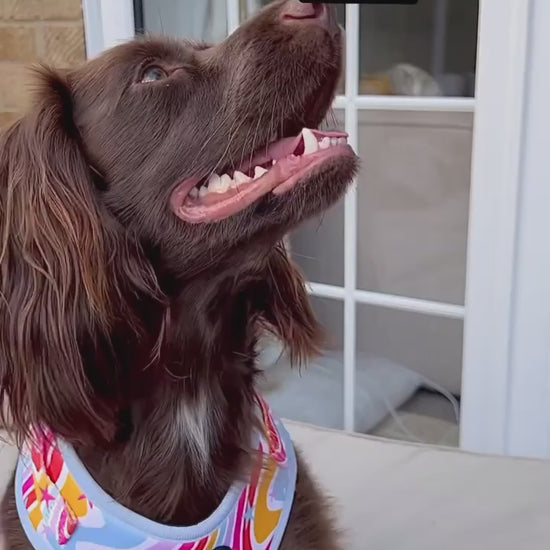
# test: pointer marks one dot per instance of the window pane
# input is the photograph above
(205, 20)
(313, 394)
(396, 352)
(413, 200)
(427, 49)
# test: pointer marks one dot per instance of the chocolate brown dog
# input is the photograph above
(142, 201)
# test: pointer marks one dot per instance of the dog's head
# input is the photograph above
(203, 148)
(159, 160)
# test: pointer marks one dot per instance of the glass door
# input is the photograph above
(388, 266)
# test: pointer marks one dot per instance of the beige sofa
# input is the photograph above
(393, 496)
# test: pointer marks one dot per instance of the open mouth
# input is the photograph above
(277, 169)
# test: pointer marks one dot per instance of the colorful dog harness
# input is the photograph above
(61, 507)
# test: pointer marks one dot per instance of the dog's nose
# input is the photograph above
(295, 11)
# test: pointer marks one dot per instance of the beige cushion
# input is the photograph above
(395, 496)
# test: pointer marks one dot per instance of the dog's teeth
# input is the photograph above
(213, 183)
(311, 144)
(325, 143)
(239, 177)
(225, 184)
(259, 172)
(203, 191)
(342, 141)
(194, 193)
(333, 141)
(273, 162)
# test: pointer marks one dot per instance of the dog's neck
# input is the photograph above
(184, 440)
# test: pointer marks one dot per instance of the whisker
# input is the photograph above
(233, 132)
(259, 123)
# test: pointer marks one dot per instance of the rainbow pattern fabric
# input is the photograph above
(61, 507)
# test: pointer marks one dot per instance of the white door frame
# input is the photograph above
(506, 380)
(107, 23)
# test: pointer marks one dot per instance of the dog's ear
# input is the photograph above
(55, 284)
(287, 313)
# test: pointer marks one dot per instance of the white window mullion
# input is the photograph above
(233, 15)
(389, 301)
(350, 231)
(406, 103)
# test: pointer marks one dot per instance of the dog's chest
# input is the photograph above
(61, 507)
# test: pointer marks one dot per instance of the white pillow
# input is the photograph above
(315, 394)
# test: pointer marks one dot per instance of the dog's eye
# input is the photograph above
(152, 74)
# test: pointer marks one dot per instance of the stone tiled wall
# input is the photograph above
(31, 31)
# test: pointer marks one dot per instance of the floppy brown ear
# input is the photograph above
(54, 266)
(288, 314)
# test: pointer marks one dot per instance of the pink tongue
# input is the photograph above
(285, 147)
(278, 150)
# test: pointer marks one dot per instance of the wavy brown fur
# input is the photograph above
(129, 333)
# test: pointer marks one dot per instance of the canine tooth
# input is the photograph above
(342, 141)
(203, 191)
(333, 141)
(325, 143)
(310, 142)
(259, 172)
(273, 162)
(194, 193)
(239, 177)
